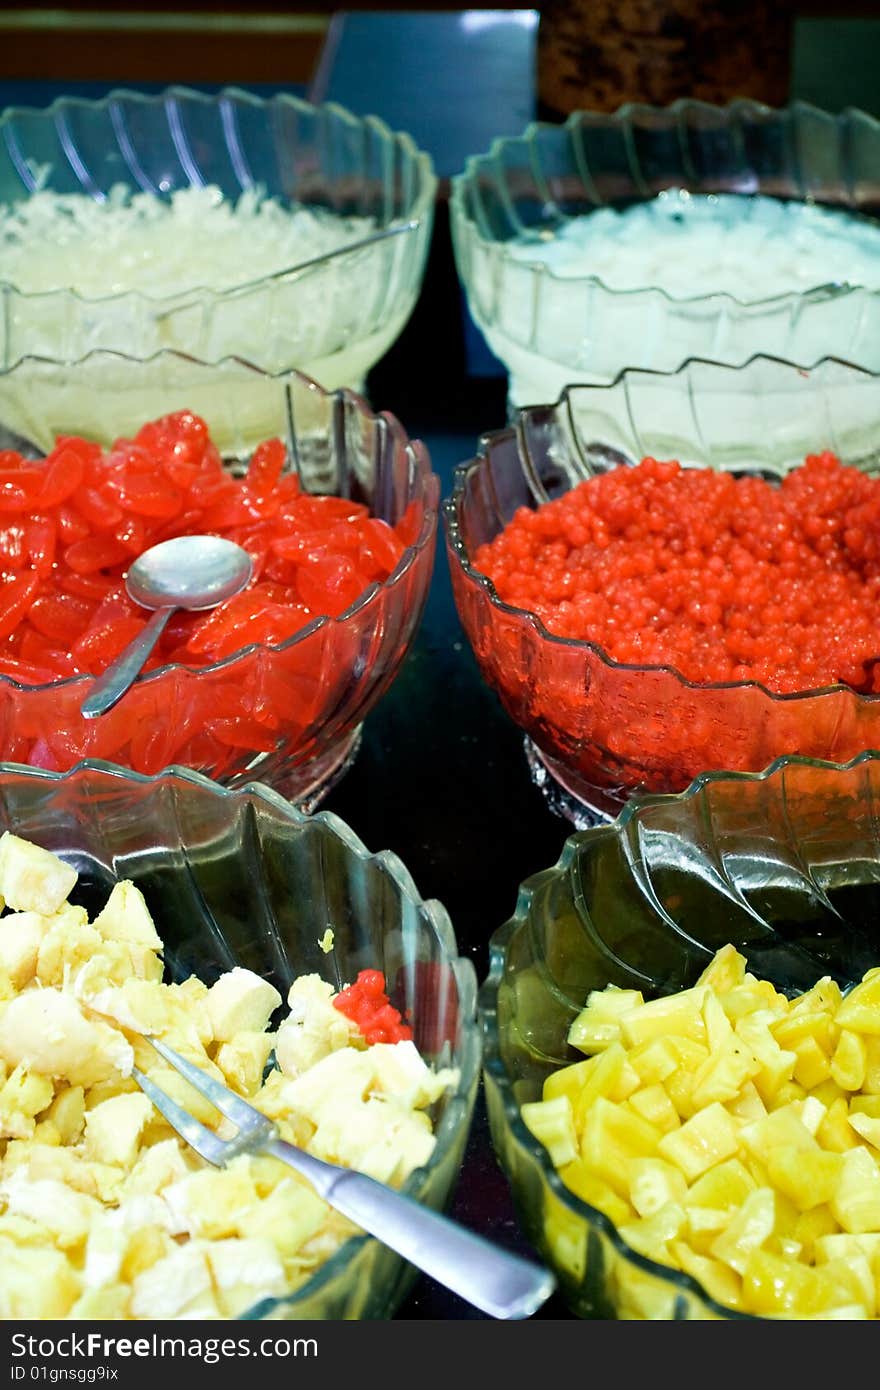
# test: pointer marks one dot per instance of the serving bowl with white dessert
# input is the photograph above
(170, 905)
(645, 236)
(291, 234)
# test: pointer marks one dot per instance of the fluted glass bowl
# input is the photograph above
(551, 329)
(241, 878)
(783, 864)
(289, 714)
(599, 730)
(332, 318)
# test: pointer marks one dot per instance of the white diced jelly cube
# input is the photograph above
(33, 879)
(240, 1001)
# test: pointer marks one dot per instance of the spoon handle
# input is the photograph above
(112, 684)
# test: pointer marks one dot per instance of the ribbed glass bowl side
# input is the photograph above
(605, 729)
(551, 330)
(288, 714)
(333, 319)
(784, 864)
(243, 878)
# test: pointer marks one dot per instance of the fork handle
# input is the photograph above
(494, 1280)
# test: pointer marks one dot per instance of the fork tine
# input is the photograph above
(245, 1116)
(205, 1142)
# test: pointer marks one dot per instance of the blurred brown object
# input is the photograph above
(597, 54)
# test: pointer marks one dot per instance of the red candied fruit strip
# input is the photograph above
(368, 1006)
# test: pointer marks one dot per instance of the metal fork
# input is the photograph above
(492, 1279)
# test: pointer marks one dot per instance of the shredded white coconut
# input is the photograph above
(143, 243)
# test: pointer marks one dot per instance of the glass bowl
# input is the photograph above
(289, 714)
(784, 864)
(599, 730)
(550, 330)
(332, 317)
(241, 878)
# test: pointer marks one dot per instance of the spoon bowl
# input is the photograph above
(190, 572)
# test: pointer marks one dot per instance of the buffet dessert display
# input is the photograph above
(668, 568)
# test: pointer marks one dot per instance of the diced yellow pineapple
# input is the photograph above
(23, 1095)
(871, 1083)
(753, 996)
(772, 1285)
(809, 1178)
(856, 1202)
(813, 1064)
(587, 1185)
(748, 1105)
(566, 1235)
(719, 1280)
(853, 1273)
(718, 1026)
(67, 1113)
(864, 1125)
(749, 1228)
(864, 1105)
(860, 1008)
(729, 1066)
(655, 1184)
(835, 1132)
(612, 1137)
(812, 1226)
(725, 971)
(782, 1126)
(724, 1187)
(35, 1283)
(552, 1123)
(656, 1060)
(850, 1061)
(288, 1216)
(598, 1024)
(568, 1080)
(777, 1064)
(670, 1014)
(789, 1093)
(651, 1235)
(707, 1138)
(610, 1075)
(243, 1061)
(654, 1105)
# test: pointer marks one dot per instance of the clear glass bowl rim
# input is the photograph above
(450, 510)
(498, 944)
(370, 595)
(423, 206)
(465, 973)
(622, 116)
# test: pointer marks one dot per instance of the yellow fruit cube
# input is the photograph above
(288, 1216)
(593, 1190)
(654, 1105)
(612, 1137)
(725, 971)
(864, 1125)
(651, 1236)
(67, 1113)
(552, 1123)
(809, 1178)
(708, 1137)
(835, 1131)
(114, 1128)
(35, 1282)
(721, 1077)
(856, 1203)
(850, 1061)
(655, 1184)
(33, 879)
(859, 1009)
(748, 1229)
(243, 1061)
(773, 1285)
(598, 1024)
(813, 1064)
(670, 1014)
(23, 1095)
(719, 1280)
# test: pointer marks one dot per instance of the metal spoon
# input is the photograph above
(191, 572)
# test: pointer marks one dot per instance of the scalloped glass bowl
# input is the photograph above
(333, 319)
(785, 864)
(289, 714)
(551, 330)
(243, 878)
(598, 730)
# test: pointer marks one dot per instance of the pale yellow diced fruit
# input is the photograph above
(729, 1066)
(719, 1280)
(842, 1245)
(22, 1231)
(174, 1085)
(860, 1007)
(67, 1113)
(864, 1105)
(790, 1093)
(871, 1084)
(810, 1227)
(751, 997)
(126, 917)
(209, 1203)
(143, 1006)
(809, 1178)
(654, 1105)
(864, 1125)
(180, 1285)
(20, 936)
(813, 1063)
(401, 1073)
(67, 1214)
(598, 1023)
(103, 1304)
(156, 1168)
(853, 1274)
(145, 1246)
(749, 1228)
(718, 1027)
(707, 1138)
(565, 1234)
(67, 947)
(338, 1076)
(652, 1235)
(46, 1031)
(670, 1014)
(777, 1064)
(608, 1074)
(33, 879)
(244, 1060)
(748, 1105)
(725, 971)
(240, 1001)
(23, 1095)
(313, 1027)
(245, 1271)
(782, 1126)
(812, 1112)
(654, 1184)
(596, 1192)
(773, 1285)
(289, 1216)
(35, 1282)
(720, 1191)
(850, 1061)
(612, 1137)
(114, 1128)
(835, 1133)
(856, 1203)
(657, 1060)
